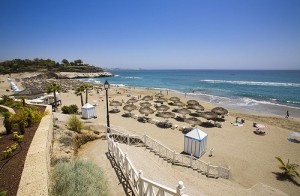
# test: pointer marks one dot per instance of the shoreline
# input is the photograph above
(243, 104)
(259, 108)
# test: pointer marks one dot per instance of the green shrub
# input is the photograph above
(78, 178)
(71, 109)
(7, 122)
(75, 124)
(19, 121)
(35, 115)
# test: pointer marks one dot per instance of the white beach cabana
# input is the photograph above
(195, 142)
(88, 111)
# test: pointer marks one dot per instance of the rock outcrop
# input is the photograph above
(73, 75)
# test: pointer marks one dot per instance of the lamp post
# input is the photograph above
(106, 87)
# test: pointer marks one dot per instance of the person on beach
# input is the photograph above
(287, 114)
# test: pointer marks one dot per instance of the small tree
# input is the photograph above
(54, 88)
(65, 62)
(23, 100)
(79, 92)
(86, 88)
(289, 169)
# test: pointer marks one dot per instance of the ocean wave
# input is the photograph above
(252, 83)
(131, 77)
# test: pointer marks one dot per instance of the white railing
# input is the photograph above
(172, 156)
(140, 185)
(125, 138)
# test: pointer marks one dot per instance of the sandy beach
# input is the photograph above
(250, 157)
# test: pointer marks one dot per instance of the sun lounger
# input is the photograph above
(259, 132)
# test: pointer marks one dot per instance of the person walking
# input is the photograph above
(287, 114)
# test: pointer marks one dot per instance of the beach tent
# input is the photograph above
(88, 111)
(195, 142)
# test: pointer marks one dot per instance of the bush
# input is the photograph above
(75, 124)
(71, 109)
(83, 139)
(7, 122)
(78, 178)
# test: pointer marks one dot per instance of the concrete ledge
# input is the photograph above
(35, 178)
(8, 108)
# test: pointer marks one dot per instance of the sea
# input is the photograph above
(262, 91)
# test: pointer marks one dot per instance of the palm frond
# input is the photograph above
(280, 160)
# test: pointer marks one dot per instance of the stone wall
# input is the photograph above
(35, 178)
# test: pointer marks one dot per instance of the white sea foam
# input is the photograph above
(252, 83)
(118, 85)
(131, 77)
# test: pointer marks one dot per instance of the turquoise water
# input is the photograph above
(246, 89)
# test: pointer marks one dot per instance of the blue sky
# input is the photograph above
(154, 34)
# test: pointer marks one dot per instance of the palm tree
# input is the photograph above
(289, 169)
(86, 88)
(78, 92)
(54, 88)
(23, 100)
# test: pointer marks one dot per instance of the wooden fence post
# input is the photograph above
(141, 183)
(179, 188)
(126, 167)
(128, 140)
(208, 168)
(219, 170)
(191, 161)
(145, 139)
(174, 153)
(117, 153)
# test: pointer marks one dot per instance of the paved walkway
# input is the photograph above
(96, 151)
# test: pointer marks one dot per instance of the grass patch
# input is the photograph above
(78, 178)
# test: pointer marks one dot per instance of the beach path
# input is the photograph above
(156, 169)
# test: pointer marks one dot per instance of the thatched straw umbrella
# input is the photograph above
(198, 107)
(115, 103)
(195, 107)
(192, 102)
(147, 98)
(220, 110)
(162, 108)
(196, 114)
(146, 111)
(209, 115)
(161, 100)
(159, 95)
(145, 104)
(174, 99)
(166, 114)
(193, 121)
(183, 111)
(131, 101)
(178, 103)
(129, 107)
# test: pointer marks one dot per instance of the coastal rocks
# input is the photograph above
(73, 75)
